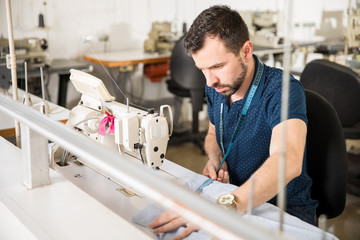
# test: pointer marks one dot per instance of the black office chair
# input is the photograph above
(341, 87)
(326, 155)
(186, 81)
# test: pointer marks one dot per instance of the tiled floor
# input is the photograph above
(345, 227)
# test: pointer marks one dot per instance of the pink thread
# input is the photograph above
(108, 118)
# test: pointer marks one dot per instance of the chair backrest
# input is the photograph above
(337, 84)
(183, 69)
(326, 155)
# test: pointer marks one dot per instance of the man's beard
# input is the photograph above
(236, 85)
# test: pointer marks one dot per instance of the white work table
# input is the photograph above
(57, 211)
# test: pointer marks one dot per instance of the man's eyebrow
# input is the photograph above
(212, 66)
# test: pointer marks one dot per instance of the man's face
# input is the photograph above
(223, 71)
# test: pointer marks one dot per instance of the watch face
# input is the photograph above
(226, 199)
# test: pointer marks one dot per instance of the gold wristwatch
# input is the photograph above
(226, 200)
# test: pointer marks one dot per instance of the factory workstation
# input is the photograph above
(179, 119)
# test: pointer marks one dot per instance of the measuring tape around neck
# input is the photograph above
(254, 86)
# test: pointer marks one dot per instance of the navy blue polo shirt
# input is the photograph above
(251, 147)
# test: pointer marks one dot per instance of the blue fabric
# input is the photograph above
(251, 148)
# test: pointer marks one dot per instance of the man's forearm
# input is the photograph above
(266, 183)
(212, 149)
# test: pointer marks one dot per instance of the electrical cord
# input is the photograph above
(65, 155)
(140, 147)
(84, 120)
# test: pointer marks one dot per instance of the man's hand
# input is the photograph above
(215, 156)
(211, 168)
(169, 221)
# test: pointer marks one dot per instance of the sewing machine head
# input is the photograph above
(32, 50)
(263, 28)
(119, 127)
(161, 38)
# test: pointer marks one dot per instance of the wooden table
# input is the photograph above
(127, 58)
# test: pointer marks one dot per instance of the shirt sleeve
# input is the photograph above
(297, 104)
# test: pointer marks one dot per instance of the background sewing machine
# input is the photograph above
(119, 127)
(30, 50)
(161, 38)
(353, 29)
(353, 38)
(263, 28)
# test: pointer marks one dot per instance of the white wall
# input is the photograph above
(127, 22)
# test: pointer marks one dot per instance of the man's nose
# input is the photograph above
(211, 78)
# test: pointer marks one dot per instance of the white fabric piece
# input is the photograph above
(149, 213)
(266, 215)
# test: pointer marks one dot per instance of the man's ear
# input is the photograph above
(247, 50)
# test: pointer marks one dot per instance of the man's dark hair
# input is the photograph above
(217, 21)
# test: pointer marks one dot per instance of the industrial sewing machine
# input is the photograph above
(161, 38)
(263, 28)
(30, 50)
(266, 35)
(119, 127)
(353, 29)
